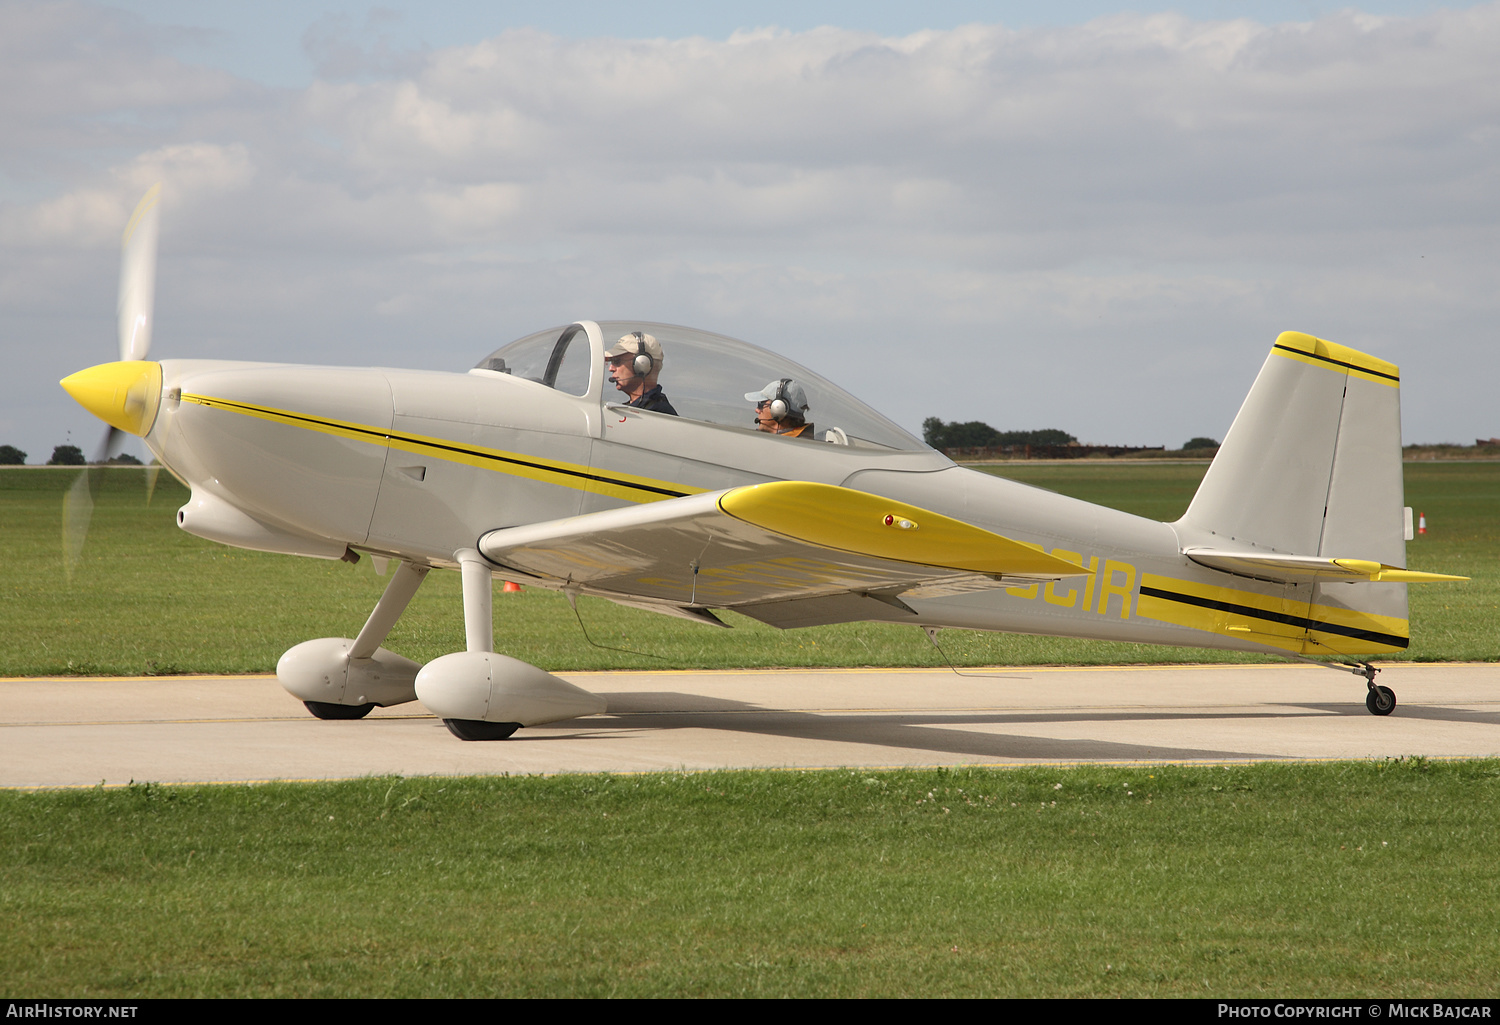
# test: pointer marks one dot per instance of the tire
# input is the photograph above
(478, 729)
(1380, 701)
(328, 710)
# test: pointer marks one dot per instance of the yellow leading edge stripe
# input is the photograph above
(852, 521)
(1393, 574)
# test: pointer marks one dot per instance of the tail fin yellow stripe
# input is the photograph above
(1317, 352)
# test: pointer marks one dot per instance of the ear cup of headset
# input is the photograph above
(779, 407)
(642, 363)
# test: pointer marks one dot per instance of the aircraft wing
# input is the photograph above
(792, 553)
(1305, 568)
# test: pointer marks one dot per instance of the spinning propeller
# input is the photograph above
(124, 394)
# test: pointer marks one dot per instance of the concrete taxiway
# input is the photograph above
(84, 731)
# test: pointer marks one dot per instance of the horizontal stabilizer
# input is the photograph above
(768, 542)
(1298, 569)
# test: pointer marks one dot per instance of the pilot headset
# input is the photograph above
(779, 408)
(643, 362)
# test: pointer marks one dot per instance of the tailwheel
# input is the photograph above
(1380, 700)
(328, 710)
(478, 729)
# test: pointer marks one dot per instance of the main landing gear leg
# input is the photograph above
(479, 635)
(393, 601)
(479, 597)
(337, 678)
(398, 594)
(481, 695)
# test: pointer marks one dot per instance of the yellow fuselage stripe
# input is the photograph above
(1268, 619)
(550, 471)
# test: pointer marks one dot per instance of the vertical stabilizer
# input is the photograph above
(1312, 466)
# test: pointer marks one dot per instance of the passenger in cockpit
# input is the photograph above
(634, 364)
(781, 408)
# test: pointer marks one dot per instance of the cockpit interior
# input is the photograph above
(706, 376)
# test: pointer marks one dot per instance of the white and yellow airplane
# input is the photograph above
(527, 467)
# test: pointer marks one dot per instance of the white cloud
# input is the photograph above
(1137, 199)
(77, 76)
(90, 216)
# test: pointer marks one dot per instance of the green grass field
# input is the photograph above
(150, 599)
(1277, 880)
(1344, 880)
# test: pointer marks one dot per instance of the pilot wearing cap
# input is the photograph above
(634, 364)
(781, 408)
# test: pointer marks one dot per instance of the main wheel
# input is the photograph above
(328, 710)
(478, 729)
(1380, 701)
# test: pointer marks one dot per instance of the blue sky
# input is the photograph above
(1082, 216)
(266, 41)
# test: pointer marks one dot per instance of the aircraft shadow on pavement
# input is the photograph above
(944, 732)
(1432, 713)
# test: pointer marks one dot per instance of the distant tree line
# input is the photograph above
(977, 434)
(62, 455)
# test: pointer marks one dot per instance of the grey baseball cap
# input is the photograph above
(796, 398)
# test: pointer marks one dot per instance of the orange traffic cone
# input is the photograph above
(1421, 523)
(511, 585)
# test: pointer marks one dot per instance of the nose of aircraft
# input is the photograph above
(124, 395)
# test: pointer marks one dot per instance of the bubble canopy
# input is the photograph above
(705, 375)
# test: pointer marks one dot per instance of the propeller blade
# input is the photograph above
(138, 277)
(137, 299)
(78, 503)
(78, 509)
(109, 447)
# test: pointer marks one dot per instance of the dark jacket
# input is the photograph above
(655, 400)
